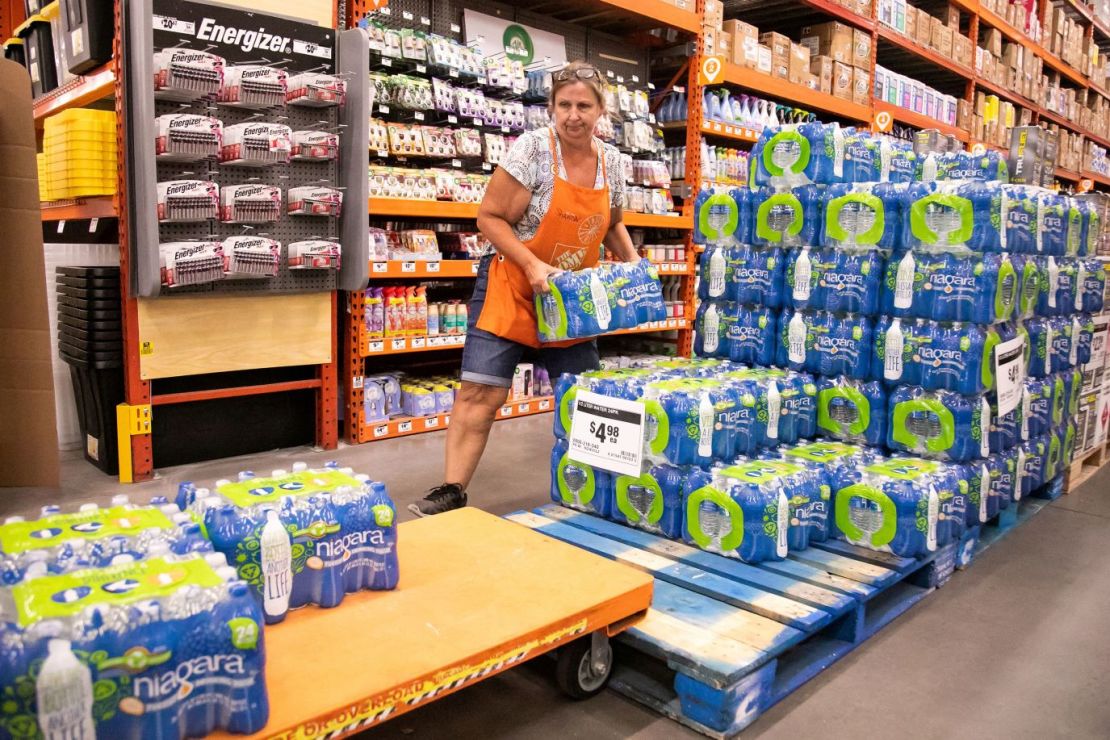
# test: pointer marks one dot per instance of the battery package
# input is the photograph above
(185, 137)
(253, 86)
(250, 203)
(188, 200)
(314, 254)
(256, 144)
(88, 24)
(311, 200)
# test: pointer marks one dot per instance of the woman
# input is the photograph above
(555, 199)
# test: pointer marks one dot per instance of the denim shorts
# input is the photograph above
(491, 360)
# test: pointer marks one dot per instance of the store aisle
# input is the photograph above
(1015, 647)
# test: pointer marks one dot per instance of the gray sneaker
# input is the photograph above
(448, 497)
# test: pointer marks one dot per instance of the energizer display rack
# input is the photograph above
(238, 127)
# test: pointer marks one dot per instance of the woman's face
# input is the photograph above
(575, 111)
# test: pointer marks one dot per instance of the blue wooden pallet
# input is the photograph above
(977, 539)
(725, 640)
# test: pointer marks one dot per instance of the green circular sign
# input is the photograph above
(518, 44)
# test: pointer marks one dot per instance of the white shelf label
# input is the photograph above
(383, 109)
(404, 426)
(387, 62)
(398, 344)
(376, 347)
(383, 153)
(407, 15)
(432, 422)
(474, 267)
(169, 23)
(408, 267)
(455, 28)
(607, 433)
(452, 118)
(418, 116)
(523, 408)
(432, 266)
(380, 267)
(356, 382)
(418, 342)
(545, 405)
(425, 21)
(456, 163)
(506, 411)
(381, 430)
(453, 73)
(1009, 370)
(435, 341)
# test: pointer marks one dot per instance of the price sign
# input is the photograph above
(381, 430)
(432, 267)
(452, 119)
(356, 382)
(398, 344)
(387, 62)
(381, 267)
(418, 116)
(376, 347)
(545, 405)
(418, 342)
(455, 28)
(607, 433)
(404, 426)
(408, 267)
(474, 267)
(1009, 371)
(431, 422)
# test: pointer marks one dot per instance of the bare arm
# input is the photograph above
(504, 204)
(617, 241)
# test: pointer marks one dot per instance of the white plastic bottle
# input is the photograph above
(706, 418)
(895, 343)
(600, 299)
(803, 272)
(277, 566)
(711, 326)
(774, 410)
(903, 282)
(64, 695)
(796, 338)
(717, 269)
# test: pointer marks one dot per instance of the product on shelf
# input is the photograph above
(824, 343)
(253, 86)
(187, 74)
(316, 90)
(314, 254)
(315, 146)
(313, 200)
(186, 137)
(300, 537)
(191, 263)
(256, 144)
(251, 256)
(852, 410)
(188, 200)
(250, 203)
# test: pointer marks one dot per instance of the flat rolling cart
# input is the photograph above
(478, 595)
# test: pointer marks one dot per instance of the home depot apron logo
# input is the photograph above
(568, 256)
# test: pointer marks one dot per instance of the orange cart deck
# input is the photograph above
(477, 596)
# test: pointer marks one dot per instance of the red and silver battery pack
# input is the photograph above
(256, 144)
(315, 146)
(186, 74)
(250, 204)
(316, 90)
(188, 200)
(315, 200)
(186, 137)
(254, 86)
(251, 256)
(314, 254)
(191, 263)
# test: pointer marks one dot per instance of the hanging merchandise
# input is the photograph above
(314, 254)
(250, 204)
(315, 90)
(315, 201)
(251, 257)
(186, 74)
(191, 263)
(253, 86)
(188, 200)
(315, 146)
(185, 137)
(256, 144)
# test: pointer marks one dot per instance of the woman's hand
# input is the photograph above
(537, 273)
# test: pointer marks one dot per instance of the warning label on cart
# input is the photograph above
(607, 433)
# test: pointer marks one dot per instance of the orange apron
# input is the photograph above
(569, 237)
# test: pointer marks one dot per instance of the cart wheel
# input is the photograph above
(579, 673)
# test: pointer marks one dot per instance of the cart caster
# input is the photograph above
(584, 666)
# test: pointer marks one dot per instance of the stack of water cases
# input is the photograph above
(901, 273)
(123, 622)
(708, 424)
(300, 537)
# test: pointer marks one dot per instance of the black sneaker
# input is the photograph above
(448, 497)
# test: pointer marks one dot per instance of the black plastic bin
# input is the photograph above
(89, 25)
(39, 47)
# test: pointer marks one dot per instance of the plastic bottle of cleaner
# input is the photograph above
(64, 695)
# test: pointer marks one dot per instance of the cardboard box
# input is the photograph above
(962, 50)
(28, 434)
(741, 30)
(832, 39)
(911, 21)
(822, 68)
(843, 80)
(812, 81)
(724, 46)
(861, 49)
(861, 86)
(747, 54)
(714, 13)
(523, 377)
(780, 53)
(765, 62)
(799, 63)
(942, 39)
(952, 18)
(923, 34)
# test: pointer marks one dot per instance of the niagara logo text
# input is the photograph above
(838, 342)
(246, 40)
(956, 281)
(349, 543)
(744, 333)
(935, 353)
(751, 275)
(180, 680)
(843, 280)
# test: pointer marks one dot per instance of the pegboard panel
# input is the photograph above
(286, 229)
(581, 42)
(241, 37)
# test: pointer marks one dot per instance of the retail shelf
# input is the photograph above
(435, 209)
(423, 269)
(431, 209)
(403, 427)
(80, 91)
(379, 346)
(659, 13)
(1101, 179)
(1013, 34)
(800, 95)
(1101, 141)
(1005, 94)
(1099, 89)
(658, 221)
(1067, 174)
(918, 120)
(906, 44)
(988, 145)
(672, 268)
(619, 17)
(103, 206)
(652, 326)
(841, 13)
(1061, 121)
(728, 131)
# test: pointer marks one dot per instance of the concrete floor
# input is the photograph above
(1016, 647)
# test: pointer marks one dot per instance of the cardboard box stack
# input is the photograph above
(1020, 17)
(1095, 159)
(832, 58)
(1011, 66)
(942, 35)
(1067, 39)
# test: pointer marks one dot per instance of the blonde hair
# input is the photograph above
(594, 83)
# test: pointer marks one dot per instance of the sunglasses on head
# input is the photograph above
(582, 73)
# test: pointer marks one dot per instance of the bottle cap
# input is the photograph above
(300, 467)
(89, 507)
(14, 520)
(216, 559)
(120, 499)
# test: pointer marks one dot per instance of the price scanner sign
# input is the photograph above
(607, 433)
